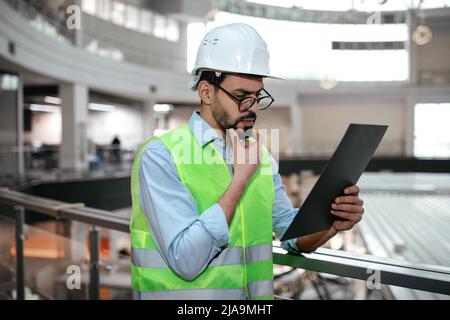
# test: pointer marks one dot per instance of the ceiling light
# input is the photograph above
(44, 108)
(54, 100)
(328, 82)
(163, 107)
(422, 35)
(9, 82)
(102, 107)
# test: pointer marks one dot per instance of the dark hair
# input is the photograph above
(211, 77)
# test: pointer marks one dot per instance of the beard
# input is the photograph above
(227, 122)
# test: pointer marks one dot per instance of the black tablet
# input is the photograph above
(343, 170)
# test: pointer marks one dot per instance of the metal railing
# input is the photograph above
(300, 14)
(391, 272)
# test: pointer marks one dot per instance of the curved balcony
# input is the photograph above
(32, 38)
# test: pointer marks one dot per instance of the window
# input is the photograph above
(145, 23)
(172, 33)
(431, 130)
(103, 9)
(195, 32)
(89, 6)
(159, 26)
(132, 19)
(118, 13)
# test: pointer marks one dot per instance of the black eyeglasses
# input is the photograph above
(246, 103)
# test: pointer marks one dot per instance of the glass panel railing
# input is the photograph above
(55, 265)
(115, 265)
(58, 266)
(7, 260)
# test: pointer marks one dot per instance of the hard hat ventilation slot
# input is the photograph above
(210, 42)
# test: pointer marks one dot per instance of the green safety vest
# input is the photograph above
(244, 269)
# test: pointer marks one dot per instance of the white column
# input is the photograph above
(412, 48)
(20, 129)
(79, 32)
(410, 104)
(296, 123)
(74, 126)
(11, 125)
(411, 99)
(148, 119)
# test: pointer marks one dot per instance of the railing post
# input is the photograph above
(20, 262)
(94, 278)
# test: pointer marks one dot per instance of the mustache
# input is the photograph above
(250, 116)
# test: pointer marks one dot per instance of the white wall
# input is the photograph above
(179, 116)
(125, 122)
(433, 62)
(435, 55)
(46, 127)
(277, 119)
(324, 126)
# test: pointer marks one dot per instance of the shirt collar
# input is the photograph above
(202, 131)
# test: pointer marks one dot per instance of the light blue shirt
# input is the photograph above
(186, 239)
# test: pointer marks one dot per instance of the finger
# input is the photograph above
(343, 225)
(349, 200)
(354, 217)
(261, 137)
(257, 137)
(232, 134)
(347, 208)
(235, 140)
(352, 190)
(234, 144)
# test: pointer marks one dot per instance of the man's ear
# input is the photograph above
(205, 91)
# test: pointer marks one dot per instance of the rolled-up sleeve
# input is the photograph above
(186, 239)
(215, 223)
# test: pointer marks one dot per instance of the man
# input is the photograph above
(115, 144)
(202, 224)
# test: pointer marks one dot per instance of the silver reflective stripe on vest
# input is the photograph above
(258, 253)
(260, 288)
(228, 256)
(192, 294)
(146, 258)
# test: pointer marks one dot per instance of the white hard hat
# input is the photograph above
(234, 48)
